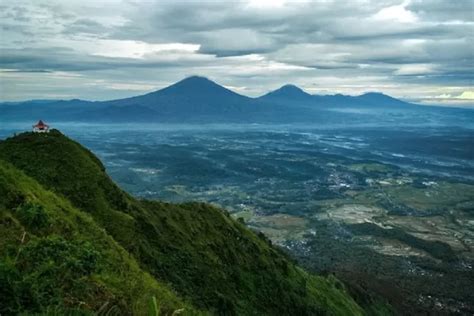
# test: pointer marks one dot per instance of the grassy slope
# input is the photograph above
(55, 256)
(207, 257)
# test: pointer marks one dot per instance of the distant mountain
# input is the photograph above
(191, 98)
(379, 99)
(293, 95)
(287, 93)
(201, 89)
(196, 99)
(67, 110)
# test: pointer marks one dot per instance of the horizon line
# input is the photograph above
(409, 101)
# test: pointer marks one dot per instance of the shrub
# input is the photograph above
(66, 258)
(32, 215)
(45, 272)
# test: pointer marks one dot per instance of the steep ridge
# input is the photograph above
(209, 259)
(56, 259)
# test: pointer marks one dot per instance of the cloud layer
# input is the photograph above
(417, 50)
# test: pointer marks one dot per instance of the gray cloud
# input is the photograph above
(86, 26)
(416, 49)
(442, 11)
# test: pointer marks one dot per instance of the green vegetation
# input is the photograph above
(55, 257)
(70, 239)
(437, 249)
(438, 196)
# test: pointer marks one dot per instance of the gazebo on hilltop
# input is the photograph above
(41, 127)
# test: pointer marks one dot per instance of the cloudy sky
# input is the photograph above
(419, 50)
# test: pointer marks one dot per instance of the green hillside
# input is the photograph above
(53, 257)
(70, 238)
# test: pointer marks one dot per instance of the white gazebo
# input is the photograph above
(41, 127)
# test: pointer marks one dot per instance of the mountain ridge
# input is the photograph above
(198, 99)
(199, 79)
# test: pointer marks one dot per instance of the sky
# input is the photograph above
(416, 50)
